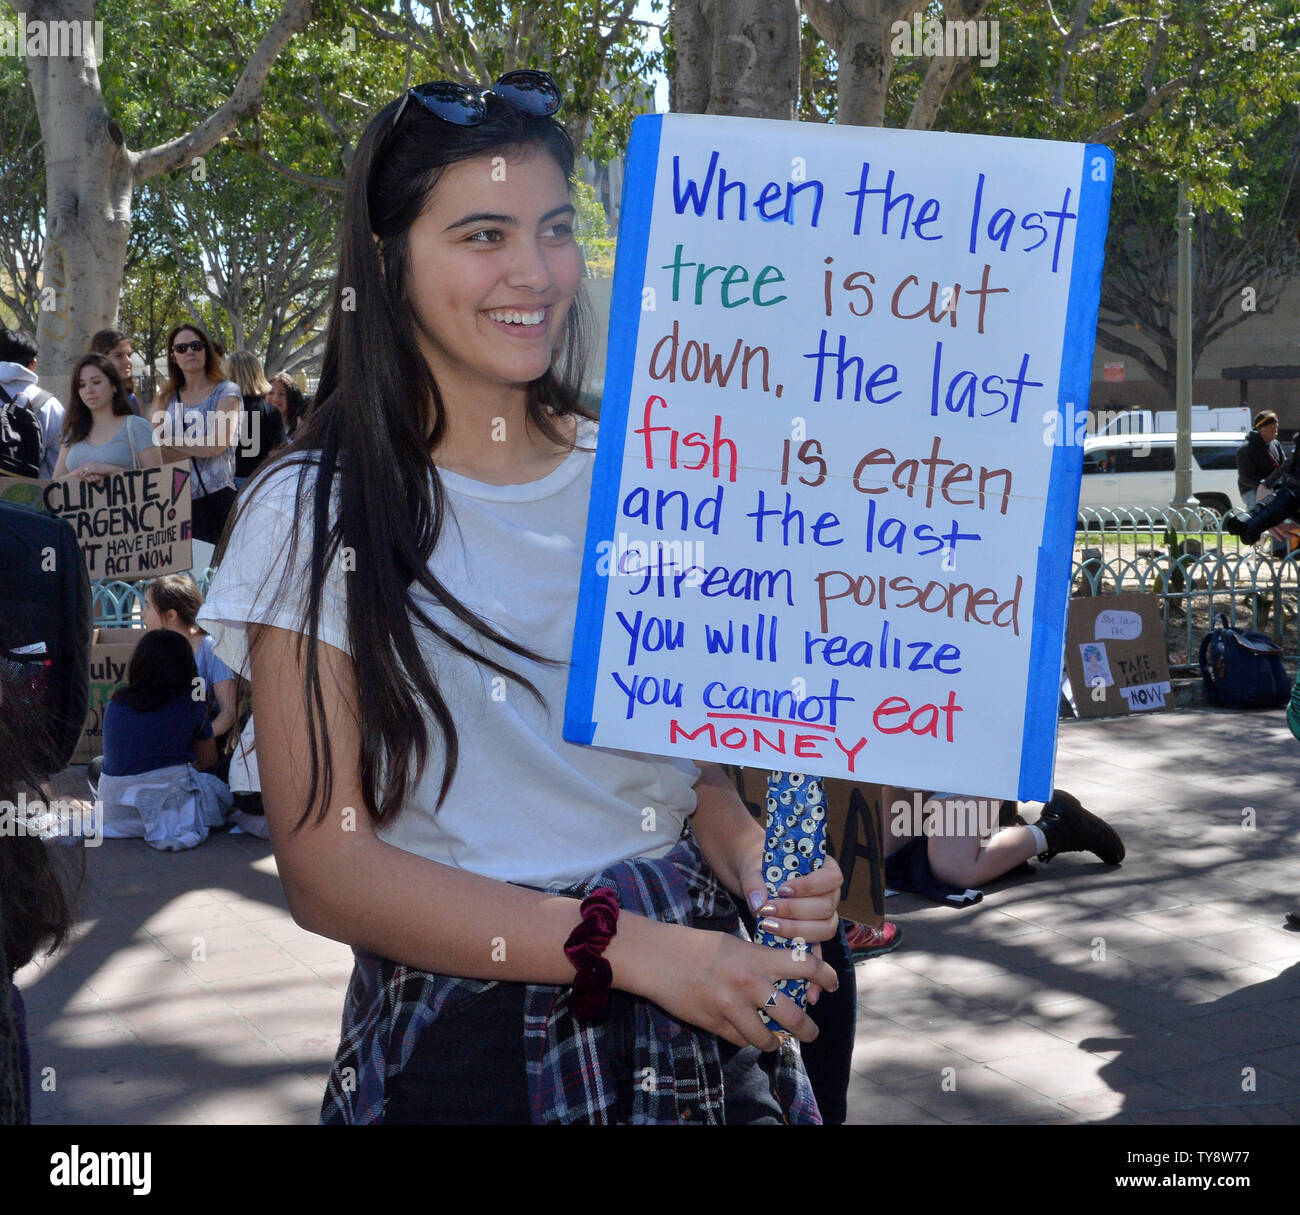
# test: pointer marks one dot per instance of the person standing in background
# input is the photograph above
(196, 414)
(261, 428)
(287, 399)
(18, 380)
(100, 433)
(115, 346)
(1258, 457)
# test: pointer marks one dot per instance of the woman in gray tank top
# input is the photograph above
(101, 433)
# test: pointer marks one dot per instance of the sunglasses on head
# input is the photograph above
(531, 91)
(182, 347)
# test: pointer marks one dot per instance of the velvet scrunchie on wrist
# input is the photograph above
(593, 977)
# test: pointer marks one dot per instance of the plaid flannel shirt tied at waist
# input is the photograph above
(572, 1074)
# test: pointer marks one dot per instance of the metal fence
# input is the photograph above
(1184, 558)
(120, 605)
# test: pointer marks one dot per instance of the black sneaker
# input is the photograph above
(1068, 827)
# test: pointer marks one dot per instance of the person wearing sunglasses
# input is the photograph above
(544, 932)
(196, 415)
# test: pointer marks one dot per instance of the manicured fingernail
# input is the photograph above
(756, 898)
(786, 891)
(767, 909)
(768, 925)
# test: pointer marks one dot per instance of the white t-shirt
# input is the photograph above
(525, 805)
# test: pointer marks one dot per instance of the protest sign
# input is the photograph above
(1115, 655)
(131, 525)
(110, 659)
(841, 440)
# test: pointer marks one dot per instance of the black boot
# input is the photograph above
(1068, 827)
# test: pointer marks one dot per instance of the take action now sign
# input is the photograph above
(838, 468)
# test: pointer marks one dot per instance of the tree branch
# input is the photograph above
(247, 94)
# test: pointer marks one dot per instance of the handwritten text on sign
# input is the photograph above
(130, 525)
(826, 529)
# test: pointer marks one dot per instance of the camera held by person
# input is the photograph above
(1284, 503)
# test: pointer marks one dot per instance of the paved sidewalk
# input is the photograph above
(1165, 991)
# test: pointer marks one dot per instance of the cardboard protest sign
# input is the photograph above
(110, 658)
(841, 442)
(133, 525)
(1115, 655)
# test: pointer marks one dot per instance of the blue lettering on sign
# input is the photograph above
(962, 389)
(926, 214)
(649, 690)
(1002, 223)
(696, 196)
(842, 362)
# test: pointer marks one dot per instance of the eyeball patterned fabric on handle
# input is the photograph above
(796, 844)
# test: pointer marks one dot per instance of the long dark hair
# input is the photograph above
(78, 420)
(294, 398)
(376, 416)
(162, 668)
(175, 376)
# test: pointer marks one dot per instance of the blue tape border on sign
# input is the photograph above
(1056, 552)
(639, 176)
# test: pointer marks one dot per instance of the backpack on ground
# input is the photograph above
(1242, 669)
(22, 439)
(45, 629)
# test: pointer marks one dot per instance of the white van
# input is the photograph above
(1137, 470)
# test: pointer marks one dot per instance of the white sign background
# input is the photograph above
(952, 680)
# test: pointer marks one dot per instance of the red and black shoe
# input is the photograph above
(864, 942)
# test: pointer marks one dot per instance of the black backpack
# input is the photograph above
(1243, 669)
(22, 441)
(45, 629)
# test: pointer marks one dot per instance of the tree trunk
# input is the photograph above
(90, 174)
(737, 57)
(859, 32)
(87, 195)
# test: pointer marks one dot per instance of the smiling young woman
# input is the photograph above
(402, 581)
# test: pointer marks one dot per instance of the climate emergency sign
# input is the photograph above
(131, 525)
(833, 504)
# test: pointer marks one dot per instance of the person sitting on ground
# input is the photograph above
(246, 785)
(173, 602)
(117, 347)
(949, 859)
(156, 738)
(100, 433)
